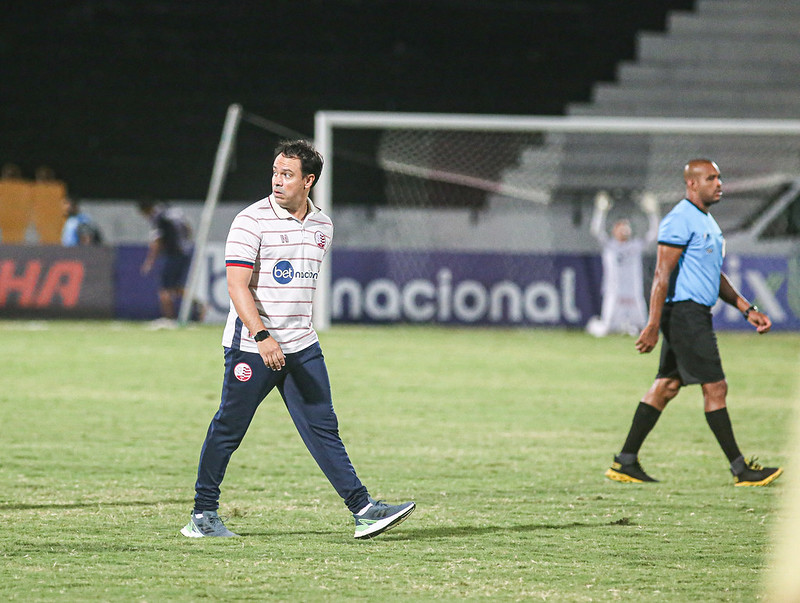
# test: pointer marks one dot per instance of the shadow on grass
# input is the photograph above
(439, 532)
(5, 506)
(434, 532)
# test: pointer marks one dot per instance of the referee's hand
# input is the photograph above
(760, 321)
(648, 339)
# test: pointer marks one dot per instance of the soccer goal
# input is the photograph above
(408, 191)
(482, 219)
(545, 159)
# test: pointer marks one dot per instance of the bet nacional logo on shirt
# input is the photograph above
(284, 273)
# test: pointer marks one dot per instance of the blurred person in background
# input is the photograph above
(79, 228)
(624, 309)
(170, 239)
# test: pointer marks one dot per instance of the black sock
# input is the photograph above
(720, 424)
(644, 419)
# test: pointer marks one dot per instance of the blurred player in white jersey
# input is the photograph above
(273, 256)
(624, 309)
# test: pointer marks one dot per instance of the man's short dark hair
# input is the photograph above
(310, 159)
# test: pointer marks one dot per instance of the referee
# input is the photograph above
(272, 256)
(687, 282)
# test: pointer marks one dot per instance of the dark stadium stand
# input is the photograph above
(126, 99)
(727, 58)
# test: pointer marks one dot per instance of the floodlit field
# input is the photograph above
(501, 436)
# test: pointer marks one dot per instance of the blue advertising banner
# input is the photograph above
(135, 294)
(377, 286)
(772, 283)
(464, 288)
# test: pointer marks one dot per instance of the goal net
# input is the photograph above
(485, 219)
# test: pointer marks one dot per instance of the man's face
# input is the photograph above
(708, 183)
(622, 230)
(289, 186)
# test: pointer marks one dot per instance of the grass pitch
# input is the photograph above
(501, 436)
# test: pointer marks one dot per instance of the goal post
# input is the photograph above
(222, 162)
(452, 183)
(224, 158)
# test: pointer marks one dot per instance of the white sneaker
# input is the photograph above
(380, 517)
(206, 524)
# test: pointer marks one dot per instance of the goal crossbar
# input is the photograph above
(521, 123)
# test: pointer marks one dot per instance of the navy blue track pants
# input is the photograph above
(305, 388)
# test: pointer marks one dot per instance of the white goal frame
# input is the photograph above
(326, 122)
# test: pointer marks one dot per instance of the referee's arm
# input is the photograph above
(729, 294)
(667, 259)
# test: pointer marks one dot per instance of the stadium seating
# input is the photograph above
(731, 58)
(725, 59)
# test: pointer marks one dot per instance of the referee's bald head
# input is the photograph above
(695, 167)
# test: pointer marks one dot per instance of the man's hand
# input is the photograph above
(272, 354)
(649, 203)
(648, 339)
(602, 201)
(760, 321)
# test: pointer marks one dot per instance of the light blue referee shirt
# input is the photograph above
(698, 273)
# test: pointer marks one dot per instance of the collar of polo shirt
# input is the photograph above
(284, 213)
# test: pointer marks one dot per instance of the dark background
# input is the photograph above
(125, 99)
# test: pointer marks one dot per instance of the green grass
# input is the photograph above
(501, 436)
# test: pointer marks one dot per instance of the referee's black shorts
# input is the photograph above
(689, 350)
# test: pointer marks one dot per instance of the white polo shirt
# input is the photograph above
(285, 255)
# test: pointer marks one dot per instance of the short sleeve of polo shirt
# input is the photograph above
(244, 241)
(675, 229)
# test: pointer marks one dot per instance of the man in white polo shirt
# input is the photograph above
(273, 255)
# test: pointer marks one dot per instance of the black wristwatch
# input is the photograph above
(261, 335)
(751, 308)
